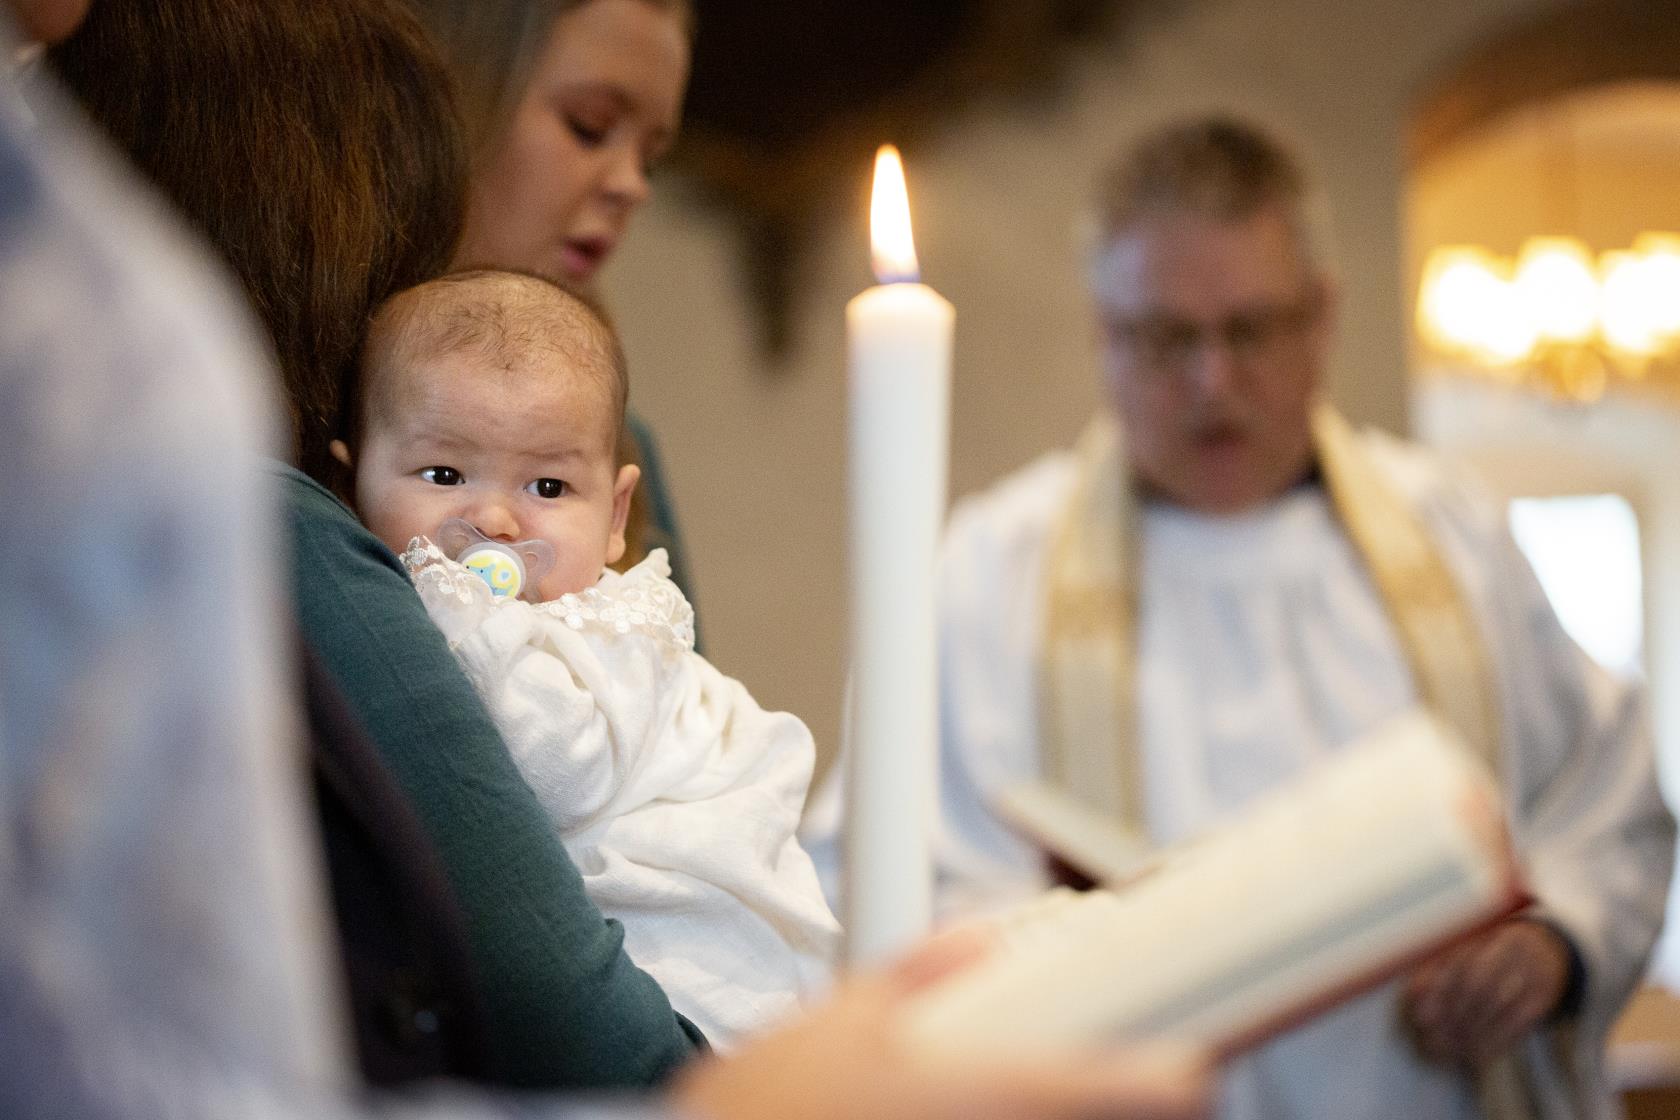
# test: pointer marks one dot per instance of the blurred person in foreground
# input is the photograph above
(1224, 582)
(163, 951)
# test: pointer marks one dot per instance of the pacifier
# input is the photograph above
(509, 569)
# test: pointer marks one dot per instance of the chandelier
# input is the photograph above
(1556, 315)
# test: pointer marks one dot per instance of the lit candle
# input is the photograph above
(899, 366)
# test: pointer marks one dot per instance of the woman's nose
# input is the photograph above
(627, 179)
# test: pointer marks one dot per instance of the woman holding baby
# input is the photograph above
(569, 108)
(309, 141)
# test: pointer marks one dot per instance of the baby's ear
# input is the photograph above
(341, 451)
(623, 487)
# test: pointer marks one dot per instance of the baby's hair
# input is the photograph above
(497, 315)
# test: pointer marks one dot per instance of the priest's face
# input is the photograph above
(1214, 339)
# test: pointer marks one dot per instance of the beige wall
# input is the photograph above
(755, 451)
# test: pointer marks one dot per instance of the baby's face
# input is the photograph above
(519, 455)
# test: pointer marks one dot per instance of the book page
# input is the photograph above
(1328, 884)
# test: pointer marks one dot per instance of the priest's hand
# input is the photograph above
(1473, 1002)
(844, 1062)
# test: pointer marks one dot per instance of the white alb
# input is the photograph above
(675, 794)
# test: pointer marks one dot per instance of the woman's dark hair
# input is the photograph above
(314, 142)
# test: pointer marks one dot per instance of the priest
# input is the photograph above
(1223, 582)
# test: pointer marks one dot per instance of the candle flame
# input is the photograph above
(893, 247)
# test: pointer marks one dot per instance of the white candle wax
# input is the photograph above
(899, 363)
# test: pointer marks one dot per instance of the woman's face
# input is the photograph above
(603, 103)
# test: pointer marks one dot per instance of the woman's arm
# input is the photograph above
(566, 1006)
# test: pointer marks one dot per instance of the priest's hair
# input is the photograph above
(1219, 167)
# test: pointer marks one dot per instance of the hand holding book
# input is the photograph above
(843, 1061)
(1375, 861)
(1473, 1001)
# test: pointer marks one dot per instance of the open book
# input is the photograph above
(1362, 867)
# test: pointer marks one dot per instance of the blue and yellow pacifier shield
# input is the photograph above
(509, 568)
(498, 566)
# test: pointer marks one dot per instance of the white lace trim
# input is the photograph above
(430, 570)
(642, 600)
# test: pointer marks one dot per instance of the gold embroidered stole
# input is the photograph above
(1088, 666)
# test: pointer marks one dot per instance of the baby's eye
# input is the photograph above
(547, 488)
(442, 476)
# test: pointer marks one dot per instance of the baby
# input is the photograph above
(497, 399)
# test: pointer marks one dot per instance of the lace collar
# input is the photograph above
(642, 600)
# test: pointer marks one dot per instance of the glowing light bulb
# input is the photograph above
(1468, 305)
(1662, 276)
(1558, 288)
(1455, 285)
(1631, 309)
(1509, 336)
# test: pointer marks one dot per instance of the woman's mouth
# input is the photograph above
(581, 257)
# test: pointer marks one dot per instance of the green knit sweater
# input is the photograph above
(567, 1008)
